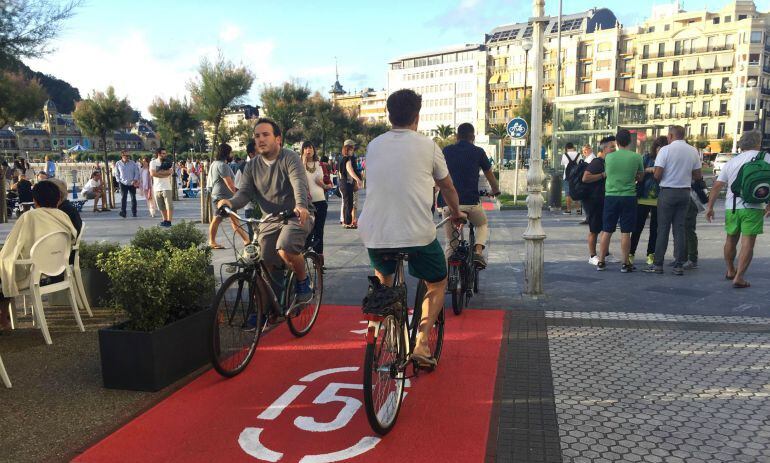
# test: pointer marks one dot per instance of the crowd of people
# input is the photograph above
(618, 187)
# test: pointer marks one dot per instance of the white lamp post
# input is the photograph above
(535, 235)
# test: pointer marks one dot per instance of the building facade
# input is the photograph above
(449, 82)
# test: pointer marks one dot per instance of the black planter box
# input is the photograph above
(96, 284)
(150, 361)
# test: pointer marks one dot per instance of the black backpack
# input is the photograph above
(578, 190)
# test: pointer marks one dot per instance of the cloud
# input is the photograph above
(230, 33)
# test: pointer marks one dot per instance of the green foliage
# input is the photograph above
(498, 131)
(20, 97)
(174, 120)
(190, 286)
(726, 145)
(219, 85)
(101, 114)
(139, 285)
(444, 142)
(182, 235)
(90, 253)
(444, 131)
(286, 104)
(26, 27)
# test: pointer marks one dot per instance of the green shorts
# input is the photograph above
(744, 221)
(425, 262)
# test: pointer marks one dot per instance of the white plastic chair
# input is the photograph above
(4, 375)
(50, 256)
(80, 289)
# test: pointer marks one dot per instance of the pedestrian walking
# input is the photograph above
(315, 182)
(223, 187)
(128, 175)
(570, 155)
(623, 168)
(676, 167)
(161, 170)
(743, 220)
(50, 167)
(647, 192)
(145, 182)
(350, 183)
(594, 205)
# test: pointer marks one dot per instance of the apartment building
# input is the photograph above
(369, 105)
(707, 71)
(449, 81)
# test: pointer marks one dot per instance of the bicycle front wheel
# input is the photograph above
(384, 375)
(436, 335)
(301, 322)
(458, 291)
(238, 322)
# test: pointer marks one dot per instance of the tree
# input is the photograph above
(726, 144)
(443, 131)
(27, 27)
(100, 115)
(701, 142)
(499, 131)
(286, 105)
(219, 85)
(175, 122)
(20, 98)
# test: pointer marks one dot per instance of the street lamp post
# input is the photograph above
(526, 44)
(535, 235)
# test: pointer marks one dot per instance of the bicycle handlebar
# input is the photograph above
(224, 211)
(486, 193)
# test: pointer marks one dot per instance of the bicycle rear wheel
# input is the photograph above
(238, 322)
(383, 375)
(301, 323)
(436, 335)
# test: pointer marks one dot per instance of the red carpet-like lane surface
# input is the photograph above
(301, 400)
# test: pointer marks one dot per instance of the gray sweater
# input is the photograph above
(275, 188)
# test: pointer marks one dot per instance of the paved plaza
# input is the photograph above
(603, 367)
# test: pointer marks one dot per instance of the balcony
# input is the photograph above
(499, 86)
(672, 74)
(500, 104)
(766, 91)
(672, 53)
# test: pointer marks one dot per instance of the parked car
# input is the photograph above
(720, 161)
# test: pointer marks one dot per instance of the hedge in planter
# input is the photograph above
(96, 283)
(165, 294)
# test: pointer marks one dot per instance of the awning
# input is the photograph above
(690, 63)
(494, 79)
(504, 77)
(707, 62)
(725, 60)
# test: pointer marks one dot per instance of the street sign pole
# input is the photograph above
(517, 130)
(516, 180)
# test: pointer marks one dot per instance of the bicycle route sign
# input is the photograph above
(517, 128)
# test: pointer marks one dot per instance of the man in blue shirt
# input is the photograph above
(128, 175)
(464, 160)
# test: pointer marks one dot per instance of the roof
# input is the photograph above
(126, 136)
(7, 134)
(49, 104)
(33, 132)
(443, 51)
(587, 21)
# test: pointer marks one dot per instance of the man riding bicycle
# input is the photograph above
(277, 182)
(464, 160)
(401, 169)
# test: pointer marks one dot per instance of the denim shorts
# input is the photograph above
(619, 209)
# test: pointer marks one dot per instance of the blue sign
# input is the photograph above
(517, 128)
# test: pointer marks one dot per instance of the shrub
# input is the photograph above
(180, 236)
(190, 285)
(153, 238)
(139, 285)
(90, 253)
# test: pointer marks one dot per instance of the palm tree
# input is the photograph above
(499, 131)
(444, 131)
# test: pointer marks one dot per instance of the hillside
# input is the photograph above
(62, 93)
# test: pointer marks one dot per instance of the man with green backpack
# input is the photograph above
(747, 177)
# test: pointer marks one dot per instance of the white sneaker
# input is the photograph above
(594, 260)
(611, 259)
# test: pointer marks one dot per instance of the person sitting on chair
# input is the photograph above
(45, 218)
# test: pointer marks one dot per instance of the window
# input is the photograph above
(723, 107)
(706, 108)
(667, 27)
(674, 88)
(656, 111)
(660, 69)
(687, 130)
(725, 80)
(751, 104)
(728, 19)
(690, 87)
(754, 59)
(704, 130)
(741, 17)
(643, 89)
(678, 47)
(721, 130)
(676, 68)
(688, 109)
(672, 110)
(715, 20)
(707, 86)
(644, 72)
(661, 49)
(645, 52)
(659, 89)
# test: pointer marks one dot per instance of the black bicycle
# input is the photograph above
(390, 340)
(252, 301)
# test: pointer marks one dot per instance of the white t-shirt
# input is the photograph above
(566, 158)
(401, 169)
(316, 192)
(729, 173)
(589, 158)
(91, 185)
(678, 160)
(159, 184)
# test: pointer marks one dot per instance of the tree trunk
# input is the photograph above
(3, 203)
(175, 190)
(109, 187)
(206, 212)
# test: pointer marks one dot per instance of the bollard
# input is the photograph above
(554, 199)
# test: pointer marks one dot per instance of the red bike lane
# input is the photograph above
(301, 400)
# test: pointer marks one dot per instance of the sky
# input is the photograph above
(152, 48)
